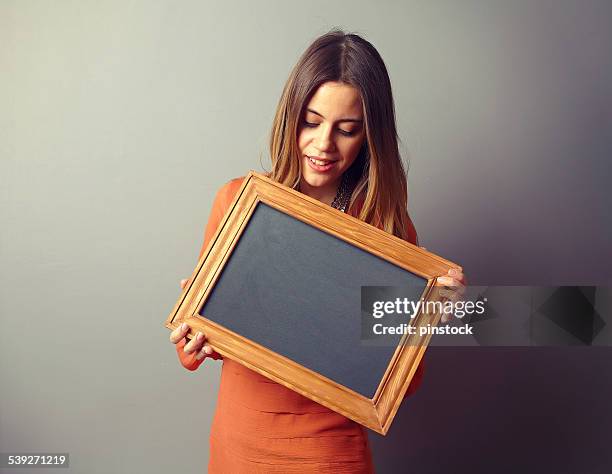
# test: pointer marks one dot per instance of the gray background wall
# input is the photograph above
(119, 120)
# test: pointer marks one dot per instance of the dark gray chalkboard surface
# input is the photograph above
(296, 290)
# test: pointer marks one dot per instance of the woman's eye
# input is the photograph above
(346, 133)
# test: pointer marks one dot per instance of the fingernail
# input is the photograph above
(183, 326)
(199, 356)
(200, 336)
(208, 349)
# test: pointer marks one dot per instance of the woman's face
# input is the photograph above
(330, 135)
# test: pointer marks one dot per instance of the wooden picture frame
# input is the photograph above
(375, 412)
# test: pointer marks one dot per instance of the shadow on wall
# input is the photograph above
(527, 410)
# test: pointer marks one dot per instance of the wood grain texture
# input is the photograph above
(376, 413)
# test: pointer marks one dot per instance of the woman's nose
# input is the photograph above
(324, 140)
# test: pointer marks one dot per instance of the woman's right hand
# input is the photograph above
(197, 343)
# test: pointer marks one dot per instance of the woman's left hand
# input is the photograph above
(454, 288)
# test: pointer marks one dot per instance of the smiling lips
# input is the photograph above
(319, 164)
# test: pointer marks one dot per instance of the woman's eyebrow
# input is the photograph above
(339, 120)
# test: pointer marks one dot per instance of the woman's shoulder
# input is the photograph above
(232, 186)
(226, 193)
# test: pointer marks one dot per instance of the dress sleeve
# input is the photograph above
(220, 205)
(416, 381)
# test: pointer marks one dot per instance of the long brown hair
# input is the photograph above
(381, 188)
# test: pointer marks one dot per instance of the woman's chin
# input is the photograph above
(315, 180)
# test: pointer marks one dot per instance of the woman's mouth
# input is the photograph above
(320, 165)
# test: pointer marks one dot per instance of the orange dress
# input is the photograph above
(263, 427)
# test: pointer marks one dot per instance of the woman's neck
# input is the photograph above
(325, 194)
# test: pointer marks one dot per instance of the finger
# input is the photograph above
(457, 275)
(201, 354)
(204, 352)
(444, 293)
(184, 283)
(448, 281)
(179, 333)
(449, 293)
(195, 344)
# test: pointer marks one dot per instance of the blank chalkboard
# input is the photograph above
(307, 304)
(279, 289)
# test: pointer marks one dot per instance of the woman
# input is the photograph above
(333, 138)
